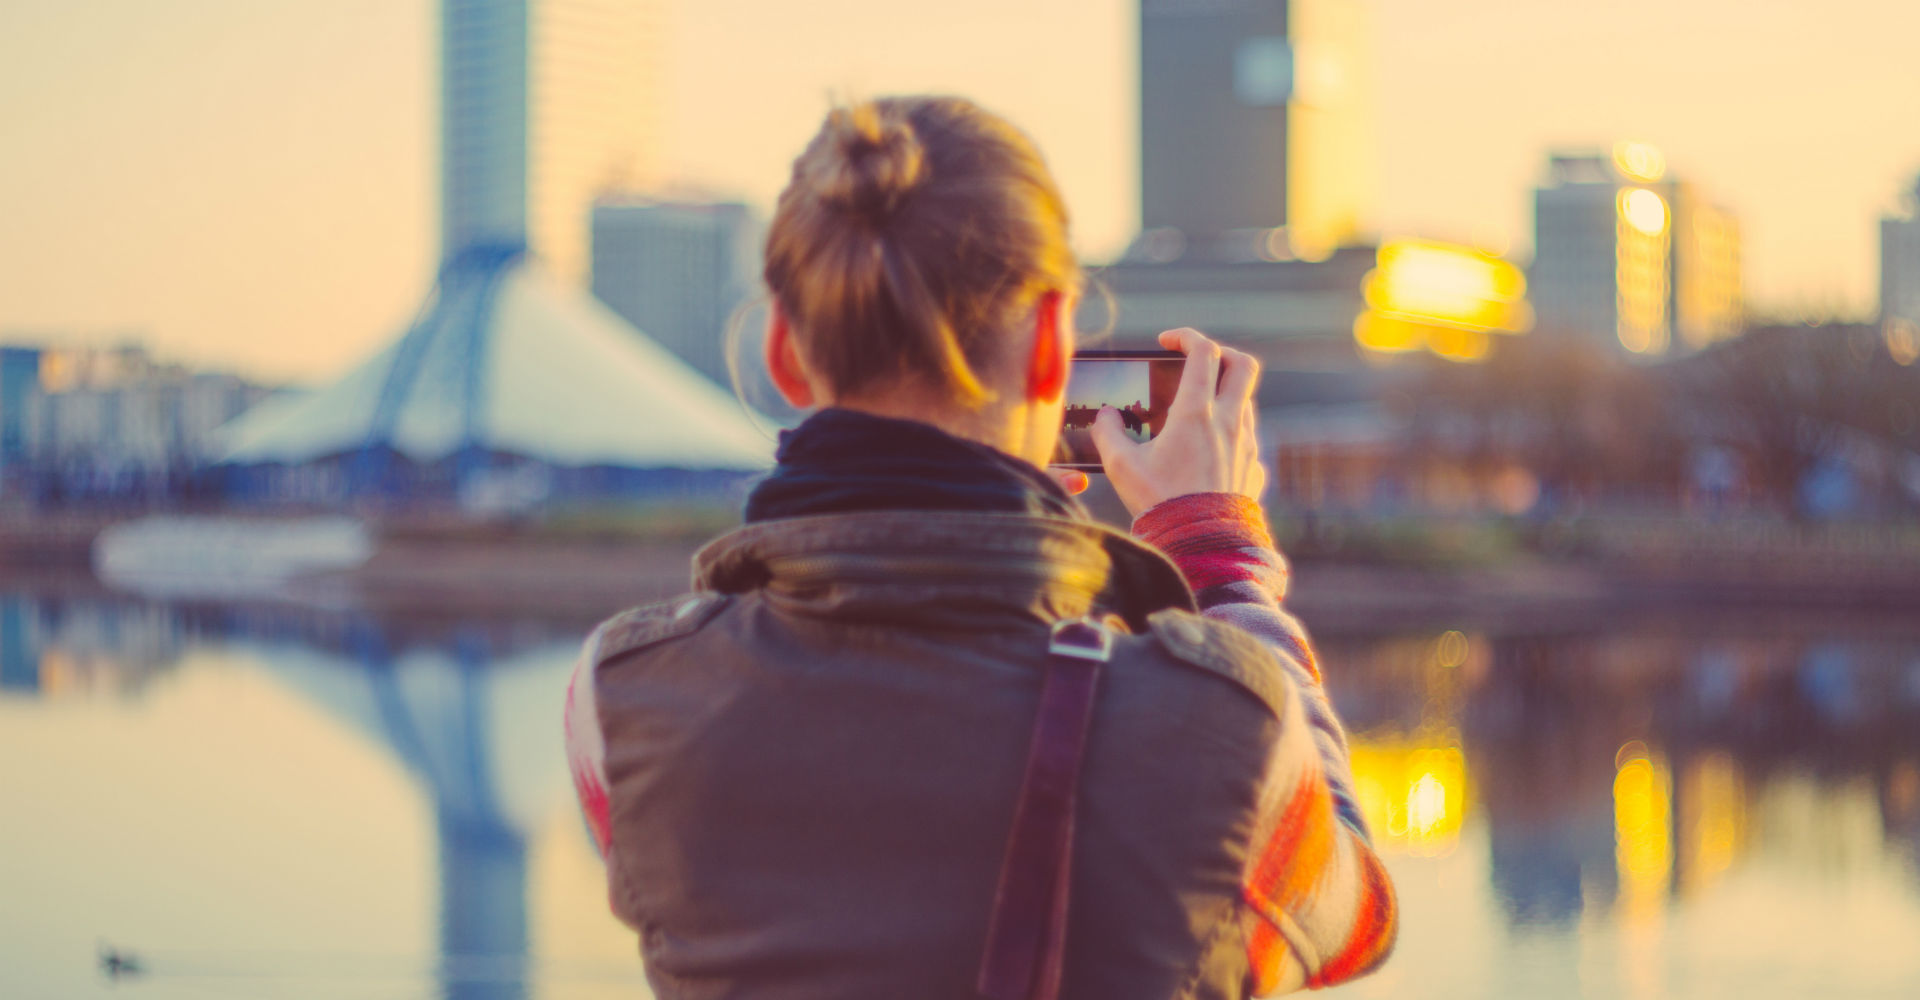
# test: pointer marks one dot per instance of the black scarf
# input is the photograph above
(840, 461)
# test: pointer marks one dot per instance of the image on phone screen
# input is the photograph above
(1139, 384)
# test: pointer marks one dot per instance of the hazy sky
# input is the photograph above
(250, 182)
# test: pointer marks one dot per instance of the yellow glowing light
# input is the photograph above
(1903, 341)
(1413, 797)
(1640, 161)
(1643, 831)
(1459, 345)
(1713, 818)
(1450, 284)
(1635, 339)
(1426, 805)
(1644, 210)
(1440, 296)
(1450, 650)
(1309, 247)
(1387, 334)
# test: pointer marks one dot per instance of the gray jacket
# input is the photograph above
(811, 763)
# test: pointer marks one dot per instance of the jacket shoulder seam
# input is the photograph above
(1225, 651)
(650, 624)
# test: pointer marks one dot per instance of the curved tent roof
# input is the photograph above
(507, 359)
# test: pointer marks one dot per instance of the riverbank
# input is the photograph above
(1349, 576)
(575, 579)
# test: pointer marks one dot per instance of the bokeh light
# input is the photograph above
(1903, 341)
(1644, 210)
(1640, 161)
(1643, 829)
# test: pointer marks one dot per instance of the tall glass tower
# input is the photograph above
(1627, 255)
(544, 104)
(1900, 276)
(1255, 114)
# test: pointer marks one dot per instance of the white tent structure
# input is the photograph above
(506, 369)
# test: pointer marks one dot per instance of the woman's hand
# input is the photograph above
(1208, 443)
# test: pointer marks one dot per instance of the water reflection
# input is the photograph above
(60, 648)
(485, 755)
(468, 709)
(1620, 811)
(1620, 769)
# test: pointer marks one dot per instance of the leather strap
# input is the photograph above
(1027, 933)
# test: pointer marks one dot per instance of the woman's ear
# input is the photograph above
(1052, 355)
(789, 373)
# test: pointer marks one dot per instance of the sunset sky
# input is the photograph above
(250, 184)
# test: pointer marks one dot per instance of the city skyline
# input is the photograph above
(254, 187)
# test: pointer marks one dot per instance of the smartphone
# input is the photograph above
(1140, 384)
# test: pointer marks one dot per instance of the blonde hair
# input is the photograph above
(914, 235)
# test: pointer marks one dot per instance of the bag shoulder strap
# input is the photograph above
(1027, 932)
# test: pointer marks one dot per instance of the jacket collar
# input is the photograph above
(944, 568)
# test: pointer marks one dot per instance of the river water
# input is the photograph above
(251, 802)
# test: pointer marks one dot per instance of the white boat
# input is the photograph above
(225, 557)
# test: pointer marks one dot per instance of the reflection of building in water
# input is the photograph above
(1543, 750)
(1614, 771)
(1642, 831)
(19, 647)
(1710, 817)
(471, 711)
(1413, 791)
(474, 724)
(1764, 747)
(1408, 768)
(55, 648)
(1900, 804)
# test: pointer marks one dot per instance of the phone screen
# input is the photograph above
(1140, 384)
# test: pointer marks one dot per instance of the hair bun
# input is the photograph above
(880, 160)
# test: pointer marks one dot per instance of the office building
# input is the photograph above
(1254, 189)
(1707, 303)
(544, 104)
(1627, 255)
(80, 420)
(1254, 116)
(1900, 270)
(512, 388)
(19, 387)
(676, 271)
(1296, 316)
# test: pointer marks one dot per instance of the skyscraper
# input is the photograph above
(1900, 267)
(1253, 117)
(1627, 255)
(676, 270)
(512, 388)
(1254, 185)
(544, 103)
(19, 385)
